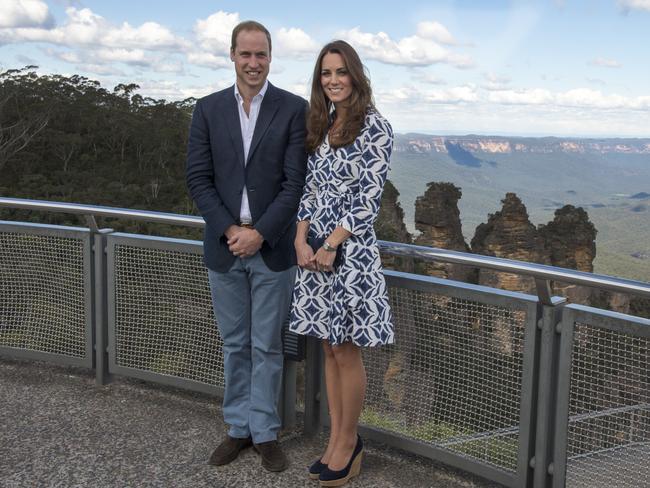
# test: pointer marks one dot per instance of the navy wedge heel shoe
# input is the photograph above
(341, 477)
(316, 469)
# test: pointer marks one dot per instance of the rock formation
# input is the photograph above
(570, 239)
(438, 219)
(390, 227)
(509, 233)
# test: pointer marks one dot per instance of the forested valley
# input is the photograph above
(68, 139)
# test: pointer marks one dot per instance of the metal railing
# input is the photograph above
(523, 390)
(602, 428)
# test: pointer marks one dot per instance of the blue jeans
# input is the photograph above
(251, 304)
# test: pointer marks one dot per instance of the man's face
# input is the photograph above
(252, 59)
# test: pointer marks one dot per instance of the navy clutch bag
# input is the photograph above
(317, 242)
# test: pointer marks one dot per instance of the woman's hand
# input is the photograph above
(324, 260)
(304, 255)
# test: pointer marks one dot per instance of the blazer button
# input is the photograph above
(251, 189)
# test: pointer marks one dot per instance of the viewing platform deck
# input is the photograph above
(523, 390)
(59, 430)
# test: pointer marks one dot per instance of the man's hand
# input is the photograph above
(245, 242)
(232, 231)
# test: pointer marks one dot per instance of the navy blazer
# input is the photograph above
(274, 174)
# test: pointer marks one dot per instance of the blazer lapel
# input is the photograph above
(231, 114)
(270, 105)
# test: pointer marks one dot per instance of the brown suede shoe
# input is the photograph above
(273, 459)
(228, 450)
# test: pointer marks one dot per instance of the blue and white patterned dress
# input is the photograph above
(343, 188)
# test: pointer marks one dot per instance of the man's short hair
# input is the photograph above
(248, 25)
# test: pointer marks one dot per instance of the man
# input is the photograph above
(246, 166)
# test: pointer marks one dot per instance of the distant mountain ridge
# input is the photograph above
(608, 176)
(425, 143)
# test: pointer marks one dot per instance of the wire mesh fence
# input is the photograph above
(164, 321)
(43, 293)
(453, 379)
(608, 442)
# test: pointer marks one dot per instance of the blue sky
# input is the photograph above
(565, 68)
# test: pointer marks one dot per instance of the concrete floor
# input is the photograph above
(57, 429)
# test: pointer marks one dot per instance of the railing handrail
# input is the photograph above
(99, 211)
(538, 271)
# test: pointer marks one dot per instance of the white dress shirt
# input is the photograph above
(247, 124)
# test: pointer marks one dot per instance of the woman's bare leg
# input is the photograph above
(333, 384)
(351, 394)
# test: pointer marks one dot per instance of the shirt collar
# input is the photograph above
(260, 94)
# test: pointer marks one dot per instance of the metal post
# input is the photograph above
(541, 463)
(288, 400)
(313, 394)
(101, 309)
(566, 329)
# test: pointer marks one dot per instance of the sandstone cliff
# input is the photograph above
(423, 143)
(509, 233)
(570, 239)
(390, 227)
(438, 219)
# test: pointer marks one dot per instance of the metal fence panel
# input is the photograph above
(605, 441)
(161, 324)
(46, 293)
(454, 380)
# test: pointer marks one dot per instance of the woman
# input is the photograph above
(340, 293)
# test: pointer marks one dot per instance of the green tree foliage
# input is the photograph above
(66, 138)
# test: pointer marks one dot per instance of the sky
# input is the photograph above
(492, 67)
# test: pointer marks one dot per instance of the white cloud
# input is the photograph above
(161, 66)
(208, 60)
(149, 35)
(100, 69)
(584, 98)
(494, 78)
(101, 60)
(296, 43)
(214, 32)
(172, 90)
(416, 96)
(435, 31)
(496, 82)
(409, 51)
(607, 63)
(596, 81)
(428, 78)
(129, 56)
(24, 13)
(454, 95)
(529, 96)
(538, 120)
(67, 56)
(276, 68)
(634, 4)
(85, 28)
(300, 88)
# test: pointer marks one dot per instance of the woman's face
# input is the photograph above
(334, 78)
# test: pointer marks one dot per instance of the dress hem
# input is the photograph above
(318, 336)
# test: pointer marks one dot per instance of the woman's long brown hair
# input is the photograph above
(357, 104)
